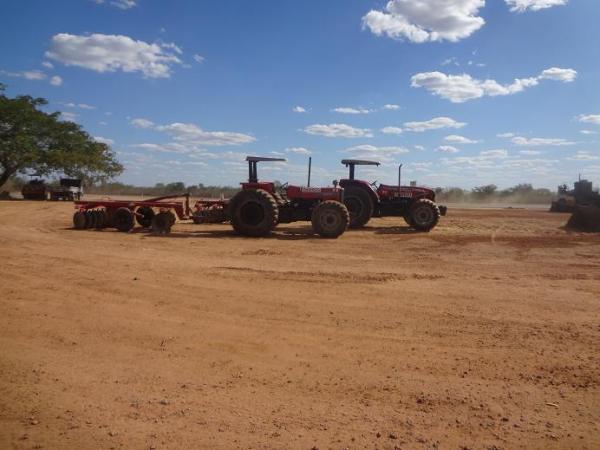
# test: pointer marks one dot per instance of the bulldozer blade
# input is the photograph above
(585, 218)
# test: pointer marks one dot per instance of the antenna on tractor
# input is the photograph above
(309, 168)
(400, 175)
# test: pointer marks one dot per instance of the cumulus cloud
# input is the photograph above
(505, 135)
(298, 151)
(48, 65)
(191, 133)
(199, 58)
(493, 154)
(68, 116)
(384, 153)
(584, 155)
(391, 130)
(110, 53)
(456, 139)
(462, 88)
(588, 132)
(433, 124)
(27, 74)
(447, 149)
(104, 140)
(558, 74)
(338, 130)
(426, 20)
(536, 142)
(533, 5)
(142, 123)
(298, 109)
(121, 4)
(590, 118)
(391, 107)
(348, 110)
(56, 80)
(78, 105)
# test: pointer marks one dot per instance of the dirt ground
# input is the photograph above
(483, 334)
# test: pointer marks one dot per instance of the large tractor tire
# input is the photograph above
(100, 219)
(253, 213)
(330, 219)
(90, 219)
(123, 219)
(145, 217)
(585, 218)
(79, 220)
(423, 215)
(359, 205)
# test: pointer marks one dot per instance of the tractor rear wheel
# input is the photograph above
(423, 215)
(359, 205)
(147, 213)
(79, 220)
(330, 219)
(123, 219)
(162, 223)
(253, 213)
(100, 219)
(90, 219)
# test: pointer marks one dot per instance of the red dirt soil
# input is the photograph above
(483, 334)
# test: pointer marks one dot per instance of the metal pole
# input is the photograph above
(400, 175)
(309, 169)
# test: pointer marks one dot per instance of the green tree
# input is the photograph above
(31, 139)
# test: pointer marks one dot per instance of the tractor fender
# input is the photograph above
(362, 185)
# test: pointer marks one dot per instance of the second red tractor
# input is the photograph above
(365, 200)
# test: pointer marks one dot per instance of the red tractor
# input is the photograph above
(365, 200)
(260, 206)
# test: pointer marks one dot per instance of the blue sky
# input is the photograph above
(462, 92)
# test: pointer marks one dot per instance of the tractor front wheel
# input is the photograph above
(423, 215)
(330, 219)
(253, 213)
(359, 205)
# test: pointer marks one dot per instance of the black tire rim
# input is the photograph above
(329, 220)
(423, 216)
(252, 214)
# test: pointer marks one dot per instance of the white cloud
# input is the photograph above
(583, 155)
(462, 88)
(34, 75)
(109, 53)
(68, 116)
(456, 139)
(142, 123)
(558, 74)
(48, 65)
(530, 152)
(591, 118)
(533, 5)
(447, 149)
(104, 140)
(298, 109)
(433, 124)
(298, 150)
(78, 105)
(494, 154)
(385, 153)
(391, 130)
(56, 80)
(192, 134)
(199, 58)
(338, 130)
(535, 142)
(452, 60)
(420, 148)
(121, 4)
(391, 107)
(426, 20)
(505, 135)
(347, 110)
(588, 132)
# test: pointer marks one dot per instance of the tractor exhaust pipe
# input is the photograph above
(400, 175)
(309, 169)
